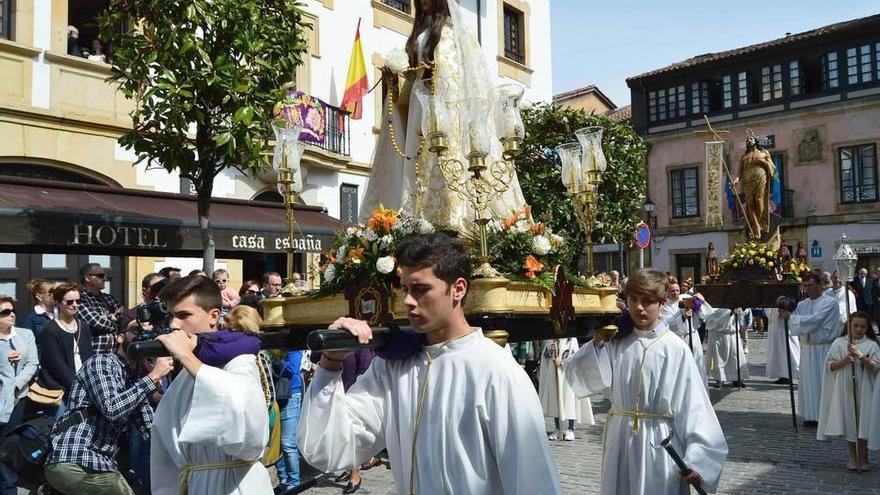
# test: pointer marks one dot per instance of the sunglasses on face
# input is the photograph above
(70, 302)
(6, 312)
(220, 281)
(252, 291)
(99, 275)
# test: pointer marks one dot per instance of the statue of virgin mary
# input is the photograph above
(442, 53)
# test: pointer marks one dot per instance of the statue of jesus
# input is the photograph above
(757, 170)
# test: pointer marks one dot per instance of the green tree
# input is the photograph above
(621, 192)
(204, 75)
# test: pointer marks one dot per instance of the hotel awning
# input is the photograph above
(38, 215)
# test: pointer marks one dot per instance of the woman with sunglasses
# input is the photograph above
(250, 294)
(18, 364)
(44, 310)
(66, 344)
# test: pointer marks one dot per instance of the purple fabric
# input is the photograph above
(698, 303)
(625, 325)
(218, 348)
(403, 344)
(355, 365)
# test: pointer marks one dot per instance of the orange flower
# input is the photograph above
(538, 228)
(331, 258)
(528, 212)
(532, 266)
(382, 220)
(355, 255)
(511, 220)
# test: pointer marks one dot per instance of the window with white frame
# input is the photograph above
(771, 82)
(699, 97)
(794, 77)
(858, 173)
(742, 87)
(859, 64)
(685, 192)
(829, 71)
(727, 91)
(652, 106)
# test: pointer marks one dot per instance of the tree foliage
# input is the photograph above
(622, 190)
(204, 75)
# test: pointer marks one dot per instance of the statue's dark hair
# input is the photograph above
(434, 22)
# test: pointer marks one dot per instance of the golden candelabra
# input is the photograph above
(287, 157)
(483, 179)
(583, 164)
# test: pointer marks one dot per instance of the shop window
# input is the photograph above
(685, 192)
(6, 19)
(7, 260)
(54, 261)
(514, 35)
(8, 288)
(858, 173)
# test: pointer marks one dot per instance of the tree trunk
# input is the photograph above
(205, 188)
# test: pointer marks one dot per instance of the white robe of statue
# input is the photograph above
(723, 344)
(580, 410)
(650, 373)
(777, 362)
(817, 323)
(393, 181)
(480, 431)
(218, 417)
(672, 315)
(836, 416)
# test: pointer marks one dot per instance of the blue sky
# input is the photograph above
(603, 43)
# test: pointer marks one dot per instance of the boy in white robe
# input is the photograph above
(816, 320)
(680, 321)
(841, 292)
(777, 362)
(457, 416)
(836, 416)
(656, 390)
(723, 344)
(549, 377)
(212, 424)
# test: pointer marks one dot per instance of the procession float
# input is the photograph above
(444, 162)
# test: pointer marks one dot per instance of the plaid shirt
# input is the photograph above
(106, 384)
(96, 310)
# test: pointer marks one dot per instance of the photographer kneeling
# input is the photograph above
(212, 423)
(105, 398)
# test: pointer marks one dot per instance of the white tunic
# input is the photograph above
(672, 315)
(817, 322)
(481, 430)
(777, 362)
(548, 378)
(874, 418)
(836, 416)
(724, 345)
(652, 373)
(839, 294)
(218, 417)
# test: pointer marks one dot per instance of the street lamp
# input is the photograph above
(286, 162)
(846, 259)
(649, 207)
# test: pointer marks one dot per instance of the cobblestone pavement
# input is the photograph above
(766, 455)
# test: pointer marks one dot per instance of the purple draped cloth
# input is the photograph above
(218, 348)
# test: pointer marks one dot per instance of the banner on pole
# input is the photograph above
(714, 182)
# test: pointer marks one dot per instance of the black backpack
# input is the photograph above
(25, 450)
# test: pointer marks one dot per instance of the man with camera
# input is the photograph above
(212, 424)
(106, 398)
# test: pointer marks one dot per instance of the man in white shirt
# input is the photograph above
(817, 321)
(458, 416)
(840, 292)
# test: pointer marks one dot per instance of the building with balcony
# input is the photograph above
(815, 99)
(71, 194)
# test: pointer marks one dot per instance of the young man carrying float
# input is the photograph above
(212, 424)
(453, 415)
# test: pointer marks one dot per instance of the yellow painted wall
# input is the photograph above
(139, 266)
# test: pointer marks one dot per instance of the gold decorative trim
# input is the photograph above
(385, 16)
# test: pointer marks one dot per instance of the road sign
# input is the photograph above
(643, 235)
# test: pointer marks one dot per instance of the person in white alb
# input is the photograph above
(212, 424)
(676, 319)
(457, 415)
(816, 320)
(656, 392)
(840, 291)
(777, 361)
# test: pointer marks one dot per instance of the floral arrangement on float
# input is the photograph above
(758, 261)
(367, 251)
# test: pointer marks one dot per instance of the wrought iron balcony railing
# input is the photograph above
(401, 5)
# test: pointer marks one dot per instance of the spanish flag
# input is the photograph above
(356, 85)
